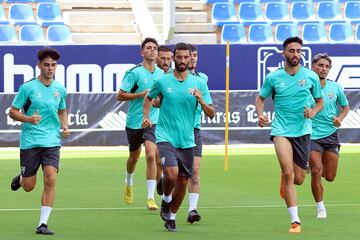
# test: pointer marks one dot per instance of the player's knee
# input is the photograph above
(315, 171)
(49, 181)
(28, 187)
(288, 175)
(330, 177)
(299, 180)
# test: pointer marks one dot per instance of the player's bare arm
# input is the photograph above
(311, 112)
(63, 117)
(146, 111)
(209, 110)
(18, 116)
(125, 96)
(263, 120)
(337, 120)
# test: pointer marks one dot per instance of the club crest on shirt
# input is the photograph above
(56, 95)
(331, 95)
(39, 95)
(302, 82)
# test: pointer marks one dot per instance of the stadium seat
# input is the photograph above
(285, 30)
(234, 33)
(48, 13)
(352, 11)
(260, 33)
(314, 33)
(277, 12)
(7, 34)
(3, 19)
(302, 12)
(216, 1)
(20, 14)
(329, 12)
(31, 34)
(250, 13)
(241, 1)
(341, 33)
(19, 1)
(58, 34)
(223, 13)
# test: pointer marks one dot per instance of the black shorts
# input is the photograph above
(198, 142)
(301, 149)
(329, 143)
(136, 137)
(183, 158)
(30, 159)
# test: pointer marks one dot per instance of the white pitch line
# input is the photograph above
(210, 207)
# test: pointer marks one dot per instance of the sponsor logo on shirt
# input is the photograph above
(169, 90)
(57, 95)
(331, 95)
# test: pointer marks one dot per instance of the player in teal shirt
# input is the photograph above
(181, 93)
(41, 107)
(194, 181)
(325, 145)
(134, 87)
(163, 59)
(291, 88)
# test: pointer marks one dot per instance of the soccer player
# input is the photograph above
(163, 59)
(181, 92)
(291, 88)
(325, 145)
(41, 106)
(134, 87)
(194, 181)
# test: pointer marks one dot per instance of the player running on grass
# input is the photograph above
(325, 145)
(42, 102)
(134, 87)
(181, 93)
(291, 88)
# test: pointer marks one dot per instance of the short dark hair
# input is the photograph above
(192, 47)
(180, 46)
(147, 40)
(291, 40)
(319, 56)
(48, 52)
(164, 48)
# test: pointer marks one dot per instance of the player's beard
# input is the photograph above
(293, 61)
(181, 67)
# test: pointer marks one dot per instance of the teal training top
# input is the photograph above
(291, 94)
(207, 100)
(322, 123)
(177, 110)
(47, 100)
(136, 80)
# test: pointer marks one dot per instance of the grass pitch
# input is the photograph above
(242, 203)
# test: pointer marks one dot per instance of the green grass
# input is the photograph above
(242, 203)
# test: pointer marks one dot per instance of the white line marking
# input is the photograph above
(209, 207)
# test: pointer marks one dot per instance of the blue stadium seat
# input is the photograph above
(352, 11)
(260, 33)
(314, 33)
(329, 11)
(234, 33)
(302, 12)
(3, 19)
(48, 13)
(58, 34)
(223, 13)
(341, 33)
(31, 34)
(285, 30)
(277, 12)
(20, 14)
(241, 1)
(250, 13)
(357, 33)
(215, 1)
(7, 34)
(19, 1)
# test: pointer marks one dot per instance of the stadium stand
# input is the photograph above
(285, 30)
(329, 12)
(260, 33)
(314, 33)
(352, 11)
(234, 33)
(31, 34)
(58, 34)
(277, 12)
(20, 14)
(341, 33)
(302, 12)
(250, 13)
(8, 35)
(223, 13)
(48, 13)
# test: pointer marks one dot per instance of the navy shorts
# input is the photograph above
(301, 149)
(183, 158)
(329, 143)
(31, 159)
(136, 137)
(198, 142)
